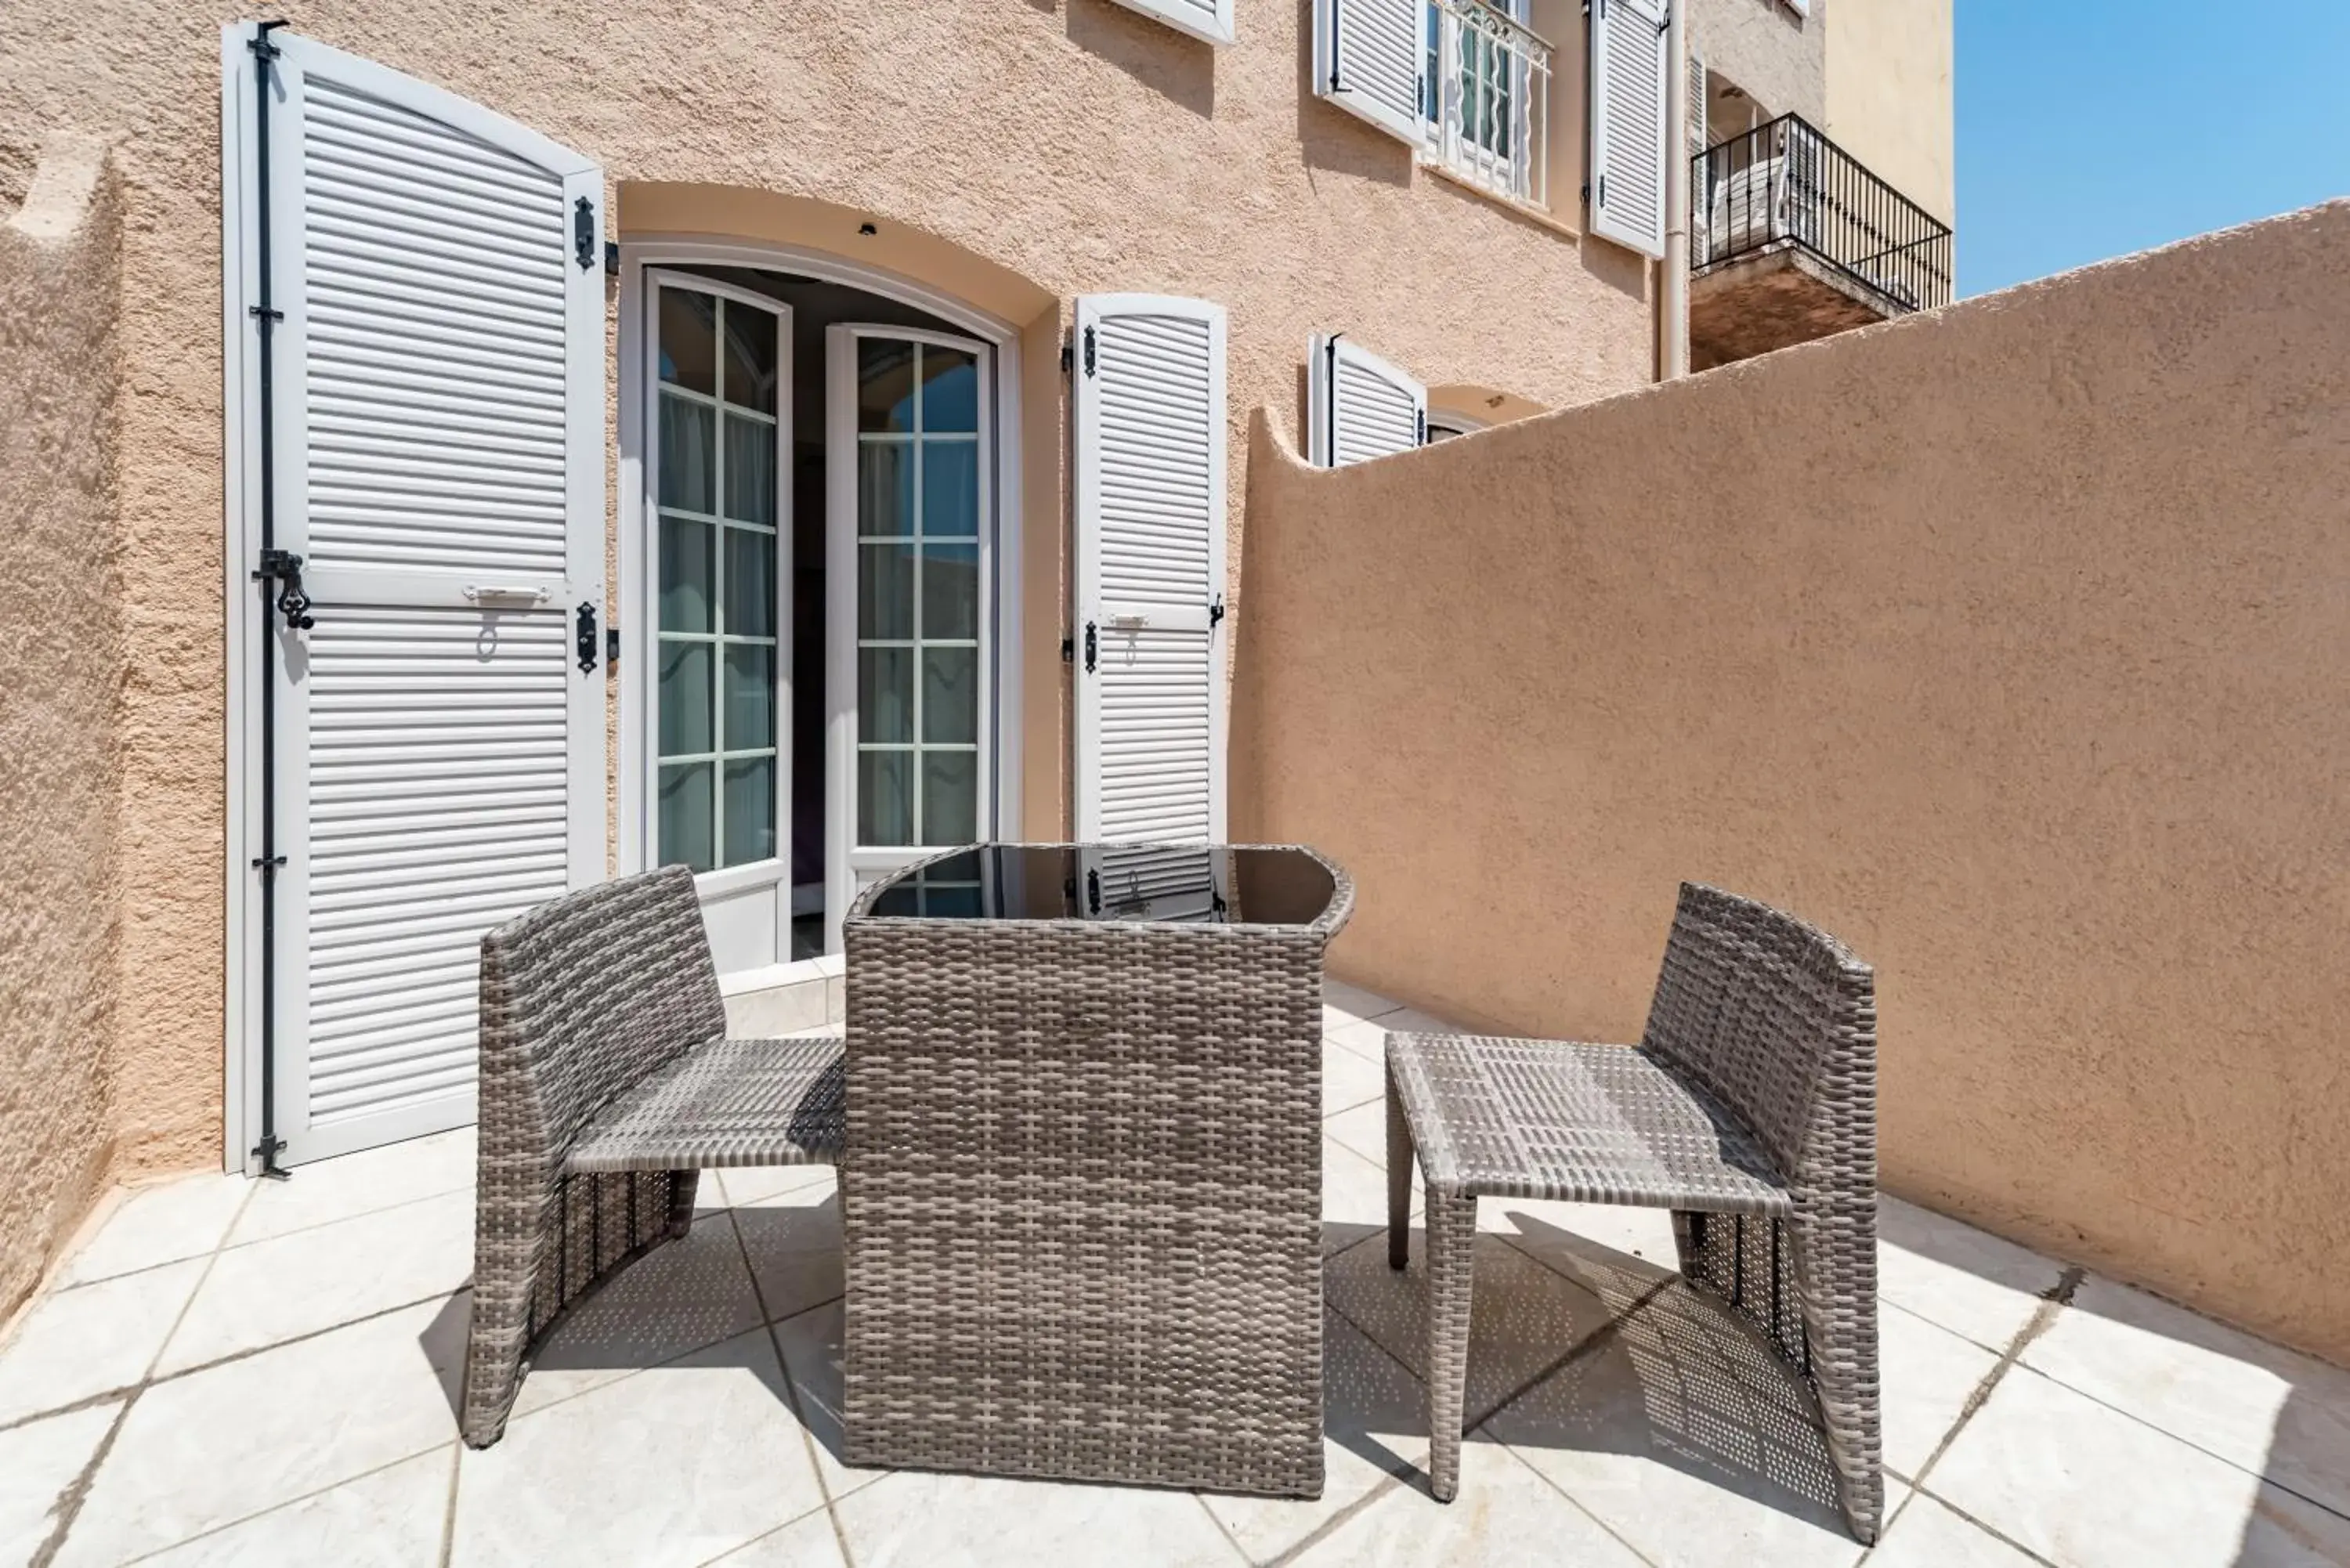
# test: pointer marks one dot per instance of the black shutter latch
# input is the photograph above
(583, 233)
(1089, 351)
(1093, 648)
(284, 567)
(589, 643)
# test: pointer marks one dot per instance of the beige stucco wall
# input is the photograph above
(1889, 95)
(2008, 641)
(61, 646)
(1070, 145)
(1778, 58)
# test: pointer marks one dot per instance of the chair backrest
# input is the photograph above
(582, 997)
(1776, 1020)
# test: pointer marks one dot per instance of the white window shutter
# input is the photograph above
(1149, 636)
(1699, 136)
(438, 466)
(1208, 19)
(1360, 407)
(1628, 123)
(1368, 59)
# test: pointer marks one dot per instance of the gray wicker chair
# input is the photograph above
(606, 1086)
(1750, 1098)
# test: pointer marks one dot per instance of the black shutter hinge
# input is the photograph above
(1216, 611)
(1421, 423)
(1068, 650)
(1068, 357)
(1089, 351)
(588, 638)
(583, 233)
(612, 646)
(1093, 648)
(611, 259)
(284, 567)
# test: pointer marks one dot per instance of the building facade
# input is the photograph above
(777, 441)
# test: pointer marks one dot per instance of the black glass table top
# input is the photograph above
(1186, 884)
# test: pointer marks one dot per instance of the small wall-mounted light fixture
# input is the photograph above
(866, 229)
(1494, 401)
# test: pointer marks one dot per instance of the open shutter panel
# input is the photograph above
(1628, 123)
(1150, 632)
(440, 468)
(1699, 140)
(1363, 407)
(1208, 19)
(1369, 56)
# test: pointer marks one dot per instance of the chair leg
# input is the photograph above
(1398, 1180)
(1451, 1237)
(537, 1248)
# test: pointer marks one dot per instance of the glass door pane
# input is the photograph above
(919, 665)
(716, 667)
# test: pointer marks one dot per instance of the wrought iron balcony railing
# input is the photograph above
(1783, 184)
(1486, 93)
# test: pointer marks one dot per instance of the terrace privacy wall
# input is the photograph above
(60, 646)
(2009, 643)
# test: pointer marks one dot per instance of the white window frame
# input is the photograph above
(850, 865)
(641, 252)
(1186, 18)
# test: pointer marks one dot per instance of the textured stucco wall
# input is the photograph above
(1072, 143)
(61, 910)
(1778, 56)
(1889, 95)
(2008, 641)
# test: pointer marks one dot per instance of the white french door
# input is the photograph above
(718, 460)
(436, 460)
(909, 564)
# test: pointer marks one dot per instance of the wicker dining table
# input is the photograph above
(1081, 1180)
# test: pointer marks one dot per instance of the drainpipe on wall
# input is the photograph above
(1672, 297)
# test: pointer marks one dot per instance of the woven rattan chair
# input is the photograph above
(1749, 1109)
(606, 1086)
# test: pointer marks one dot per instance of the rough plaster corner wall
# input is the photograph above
(2009, 642)
(60, 650)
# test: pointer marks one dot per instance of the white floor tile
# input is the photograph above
(344, 1188)
(391, 1518)
(679, 1298)
(745, 1185)
(809, 1542)
(1375, 1426)
(1507, 1516)
(1926, 1373)
(812, 1358)
(1363, 1130)
(37, 1462)
(161, 1224)
(207, 1450)
(1350, 1078)
(913, 1519)
(273, 1290)
(2256, 1404)
(1969, 1281)
(1354, 1197)
(1343, 1004)
(1687, 1440)
(1619, 1254)
(1927, 1535)
(675, 1465)
(1365, 1038)
(2087, 1487)
(794, 1243)
(92, 1338)
(1523, 1318)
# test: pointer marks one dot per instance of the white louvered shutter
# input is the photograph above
(1698, 134)
(1369, 58)
(1361, 407)
(439, 395)
(1154, 881)
(1628, 63)
(1209, 19)
(1150, 625)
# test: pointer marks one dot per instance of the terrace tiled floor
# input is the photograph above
(229, 1372)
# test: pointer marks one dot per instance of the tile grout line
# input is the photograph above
(2044, 1316)
(1572, 1500)
(209, 1531)
(68, 1504)
(791, 1388)
(746, 1545)
(448, 1512)
(1917, 1491)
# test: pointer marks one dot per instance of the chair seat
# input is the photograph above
(724, 1103)
(1580, 1123)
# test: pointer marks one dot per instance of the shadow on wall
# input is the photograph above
(61, 648)
(1178, 68)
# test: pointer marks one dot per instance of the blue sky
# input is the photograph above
(2089, 129)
